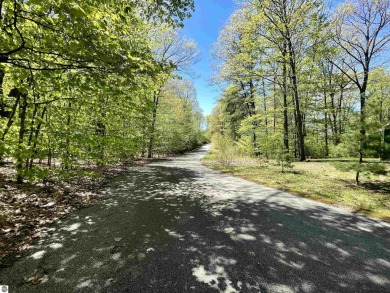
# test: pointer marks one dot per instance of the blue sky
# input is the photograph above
(204, 25)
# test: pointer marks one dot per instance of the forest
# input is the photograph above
(94, 82)
(113, 180)
(305, 80)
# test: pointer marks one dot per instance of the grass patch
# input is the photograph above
(317, 180)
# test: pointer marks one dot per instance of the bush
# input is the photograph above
(315, 149)
(339, 151)
(37, 173)
(226, 151)
(364, 168)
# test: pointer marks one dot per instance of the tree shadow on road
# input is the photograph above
(169, 230)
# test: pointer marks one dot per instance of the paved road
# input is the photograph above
(177, 226)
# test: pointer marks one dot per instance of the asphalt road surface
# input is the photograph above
(177, 226)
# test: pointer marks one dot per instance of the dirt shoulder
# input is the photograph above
(27, 210)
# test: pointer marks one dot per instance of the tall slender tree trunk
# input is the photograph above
(144, 134)
(30, 138)
(274, 104)
(101, 131)
(326, 125)
(265, 107)
(22, 129)
(341, 114)
(67, 160)
(334, 126)
(153, 125)
(36, 135)
(363, 95)
(285, 104)
(252, 112)
(296, 151)
(299, 120)
(362, 142)
(2, 74)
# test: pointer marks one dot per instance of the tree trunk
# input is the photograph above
(299, 122)
(274, 104)
(334, 126)
(49, 157)
(67, 158)
(362, 142)
(285, 104)
(144, 135)
(265, 107)
(30, 138)
(363, 138)
(22, 128)
(2, 74)
(36, 134)
(326, 126)
(252, 112)
(101, 131)
(342, 114)
(153, 125)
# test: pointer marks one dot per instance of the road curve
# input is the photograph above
(177, 226)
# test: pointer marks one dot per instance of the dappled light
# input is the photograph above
(176, 226)
(133, 160)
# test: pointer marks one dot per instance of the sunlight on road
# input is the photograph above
(177, 226)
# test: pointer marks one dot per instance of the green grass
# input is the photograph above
(318, 180)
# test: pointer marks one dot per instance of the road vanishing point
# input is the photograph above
(178, 226)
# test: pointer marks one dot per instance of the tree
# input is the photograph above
(292, 25)
(176, 53)
(178, 125)
(379, 113)
(362, 32)
(267, 49)
(238, 59)
(75, 82)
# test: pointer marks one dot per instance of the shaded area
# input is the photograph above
(382, 187)
(26, 209)
(180, 227)
(317, 181)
